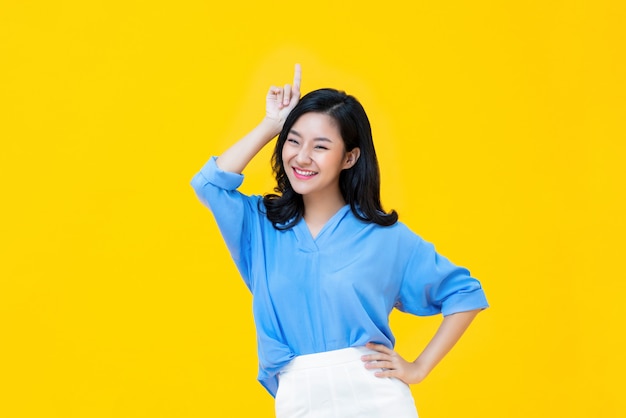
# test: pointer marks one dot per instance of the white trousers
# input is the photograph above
(337, 384)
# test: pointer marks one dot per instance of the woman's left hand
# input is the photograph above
(393, 364)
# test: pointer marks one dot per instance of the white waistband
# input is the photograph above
(327, 358)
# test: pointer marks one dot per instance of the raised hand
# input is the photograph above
(281, 100)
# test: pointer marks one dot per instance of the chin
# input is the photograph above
(299, 190)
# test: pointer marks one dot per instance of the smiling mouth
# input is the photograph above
(303, 174)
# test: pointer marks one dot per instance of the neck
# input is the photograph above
(317, 210)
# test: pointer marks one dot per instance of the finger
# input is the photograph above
(271, 93)
(386, 373)
(375, 357)
(381, 348)
(287, 94)
(297, 78)
(378, 364)
(279, 96)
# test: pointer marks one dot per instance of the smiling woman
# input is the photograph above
(326, 265)
(313, 157)
(331, 128)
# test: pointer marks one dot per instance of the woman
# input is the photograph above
(326, 264)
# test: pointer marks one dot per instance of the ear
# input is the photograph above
(351, 158)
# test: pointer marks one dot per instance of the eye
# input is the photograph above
(293, 141)
(321, 147)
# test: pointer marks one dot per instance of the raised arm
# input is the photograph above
(279, 102)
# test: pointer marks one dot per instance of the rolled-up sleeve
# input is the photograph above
(432, 284)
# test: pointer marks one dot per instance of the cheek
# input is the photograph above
(286, 153)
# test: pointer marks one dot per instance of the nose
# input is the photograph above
(303, 157)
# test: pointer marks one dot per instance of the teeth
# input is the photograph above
(304, 172)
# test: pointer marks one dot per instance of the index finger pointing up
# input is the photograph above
(297, 77)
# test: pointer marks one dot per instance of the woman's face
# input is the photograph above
(314, 155)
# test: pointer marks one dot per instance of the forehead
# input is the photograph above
(314, 124)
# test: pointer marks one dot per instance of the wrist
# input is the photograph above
(270, 126)
(420, 371)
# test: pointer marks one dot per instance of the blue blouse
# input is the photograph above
(334, 291)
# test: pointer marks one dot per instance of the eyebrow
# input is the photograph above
(321, 138)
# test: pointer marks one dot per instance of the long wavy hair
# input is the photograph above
(359, 185)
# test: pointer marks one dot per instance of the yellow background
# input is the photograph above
(501, 138)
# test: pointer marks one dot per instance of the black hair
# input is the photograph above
(359, 185)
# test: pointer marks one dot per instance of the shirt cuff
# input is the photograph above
(463, 302)
(218, 177)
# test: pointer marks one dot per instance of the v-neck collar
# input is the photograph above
(305, 239)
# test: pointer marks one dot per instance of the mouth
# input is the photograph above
(303, 174)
